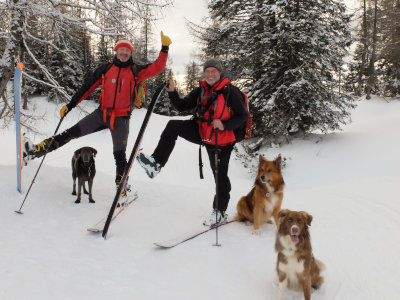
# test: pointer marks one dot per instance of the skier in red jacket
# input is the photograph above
(119, 80)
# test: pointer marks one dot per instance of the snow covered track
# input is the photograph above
(348, 181)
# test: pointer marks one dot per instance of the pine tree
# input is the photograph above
(389, 65)
(288, 54)
(371, 70)
(192, 77)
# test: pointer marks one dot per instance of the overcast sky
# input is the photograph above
(173, 25)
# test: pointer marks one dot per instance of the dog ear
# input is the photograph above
(283, 213)
(261, 158)
(77, 153)
(308, 218)
(278, 162)
(281, 216)
(94, 151)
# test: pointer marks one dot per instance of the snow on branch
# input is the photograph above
(46, 72)
(148, 3)
(27, 34)
(41, 81)
(5, 35)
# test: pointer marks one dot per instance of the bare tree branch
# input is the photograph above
(47, 73)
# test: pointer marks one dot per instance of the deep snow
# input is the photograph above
(347, 180)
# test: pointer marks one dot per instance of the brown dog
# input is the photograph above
(265, 198)
(83, 168)
(296, 266)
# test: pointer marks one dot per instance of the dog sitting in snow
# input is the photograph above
(296, 265)
(83, 168)
(265, 198)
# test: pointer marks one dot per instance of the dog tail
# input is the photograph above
(320, 264)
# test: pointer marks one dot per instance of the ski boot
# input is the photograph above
(126, 194)
(149, 164)
(42, 148)
(216, 218)
(27, 146)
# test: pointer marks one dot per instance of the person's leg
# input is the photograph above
(89, 124)
(224, 184)
(120, 140)
(187, 129)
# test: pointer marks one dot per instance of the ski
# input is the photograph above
(132, 157)
(98, 227)
(179, 240)
(17, 98)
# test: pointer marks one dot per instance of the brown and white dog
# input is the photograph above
(265, 198)
(296, 266)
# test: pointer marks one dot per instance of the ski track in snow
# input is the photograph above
(348, 181)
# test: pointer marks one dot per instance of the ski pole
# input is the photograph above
(33, 180)
(135, 149)
(216, 187)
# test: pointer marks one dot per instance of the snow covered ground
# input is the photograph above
(347, 180)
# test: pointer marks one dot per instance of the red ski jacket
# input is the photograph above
(119, 82)
(217, 110)
(232, 116)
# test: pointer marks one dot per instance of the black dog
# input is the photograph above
(83, 168)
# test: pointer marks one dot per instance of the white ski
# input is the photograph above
(167, 244)
(98, 227)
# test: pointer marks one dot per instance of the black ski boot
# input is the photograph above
(43, 147)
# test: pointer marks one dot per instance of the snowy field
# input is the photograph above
(347, 180)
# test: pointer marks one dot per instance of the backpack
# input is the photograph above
(244, 130)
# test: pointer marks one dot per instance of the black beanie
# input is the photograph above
(215, 63)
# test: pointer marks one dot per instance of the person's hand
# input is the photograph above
(63, 111)
(165, 40)
(171, 85)
(218, 124)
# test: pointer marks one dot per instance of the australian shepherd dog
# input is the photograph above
(296, 266)
(265, 198)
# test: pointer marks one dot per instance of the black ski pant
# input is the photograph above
(94, 123)
(189, 130)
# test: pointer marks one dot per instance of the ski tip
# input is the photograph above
(18, 212)
(21, 65)
(95, 230)
(159, 246)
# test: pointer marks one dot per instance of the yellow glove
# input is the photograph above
(165, 40)
(63, 111)
(141, 93)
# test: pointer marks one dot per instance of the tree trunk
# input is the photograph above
(371, 68)
(12, 51)
(364, 38)
(4, 95)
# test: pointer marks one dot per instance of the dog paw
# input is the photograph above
(74, 193)
(256, 232)
(78, 201)
(248, 223)
(269, 222)
(86, 192)
(92, 201)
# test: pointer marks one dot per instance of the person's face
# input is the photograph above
(212, 75)
(123, 54)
